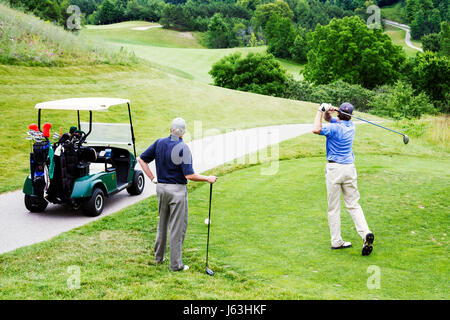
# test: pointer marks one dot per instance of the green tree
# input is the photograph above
(445, 38)
(257, 72)
(108, 13)
(299, 49)
(280, 36)
(219, 34)
(431, 74)
(347, 50)
(431, 42)
(265, 11)
(249, 4)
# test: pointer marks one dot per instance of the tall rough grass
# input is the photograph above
(27, 40)
(434, 130)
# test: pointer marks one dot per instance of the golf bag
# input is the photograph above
(38, 163)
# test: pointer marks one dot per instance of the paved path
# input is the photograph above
(20, 228)
(408, 33)
(146, 27)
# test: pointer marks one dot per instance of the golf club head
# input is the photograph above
(209, 272)
(405, 139)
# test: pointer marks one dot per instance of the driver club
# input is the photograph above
(405, 137)
(208, 270)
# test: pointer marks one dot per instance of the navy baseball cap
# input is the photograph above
(346, 107)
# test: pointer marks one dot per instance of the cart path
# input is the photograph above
(407, 35)
(20, 228)
(146, 27)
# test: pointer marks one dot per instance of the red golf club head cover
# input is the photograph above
(46, 129)
(33, 127)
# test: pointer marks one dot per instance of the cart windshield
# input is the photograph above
(108, 134)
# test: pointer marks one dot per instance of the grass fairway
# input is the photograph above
(179, 52)
(156, 97)
(270, 237)
(124, 33)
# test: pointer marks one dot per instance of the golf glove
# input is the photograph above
(155, 181)
(324, 107)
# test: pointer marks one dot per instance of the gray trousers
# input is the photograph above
(173, 215)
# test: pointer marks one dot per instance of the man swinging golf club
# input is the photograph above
(340, 173)
(173, 168)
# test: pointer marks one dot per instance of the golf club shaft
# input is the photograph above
(371, 123)
(209, 222)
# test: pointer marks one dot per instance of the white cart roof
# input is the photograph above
(86, 104)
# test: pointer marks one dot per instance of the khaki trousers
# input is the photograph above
(173, 215)
(342, 178)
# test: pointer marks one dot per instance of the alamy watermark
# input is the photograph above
(212, 147)
(374, 20)
(74, 21)
(74, 279)
(374, 280)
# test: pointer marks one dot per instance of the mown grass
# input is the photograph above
(179, 52)
(156, 98)
(269, 235)
(123, 33)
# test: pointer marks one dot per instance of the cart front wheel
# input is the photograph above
(35, 203)
(94, 206)
(138, 184)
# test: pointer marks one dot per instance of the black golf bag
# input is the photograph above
(38, 162)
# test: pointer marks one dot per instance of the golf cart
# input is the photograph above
(84, 166)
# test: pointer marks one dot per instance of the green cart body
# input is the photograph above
(78, 187)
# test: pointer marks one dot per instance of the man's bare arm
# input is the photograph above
(317, 127)
(199, 177)
(145, 167)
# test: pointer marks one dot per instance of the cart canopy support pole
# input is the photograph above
(39, 119)
(132, 131)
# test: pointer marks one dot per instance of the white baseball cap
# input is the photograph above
(178, 127)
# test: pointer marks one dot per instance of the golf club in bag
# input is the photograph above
(405, 137)
(208, 270)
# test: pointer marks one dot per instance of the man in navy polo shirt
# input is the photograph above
(173, 161)
(340, 174)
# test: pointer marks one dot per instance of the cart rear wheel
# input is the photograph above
(138, 183)
(35, 204)
(94, 206)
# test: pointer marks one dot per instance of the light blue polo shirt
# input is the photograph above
(340, 136)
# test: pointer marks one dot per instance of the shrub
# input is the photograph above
(335, 93)
(400, 102)
(257, 72)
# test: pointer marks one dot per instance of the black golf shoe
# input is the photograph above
(368, 244)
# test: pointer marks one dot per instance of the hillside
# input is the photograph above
(27, 40)
(180, 52)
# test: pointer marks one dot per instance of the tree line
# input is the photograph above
(347, 61)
